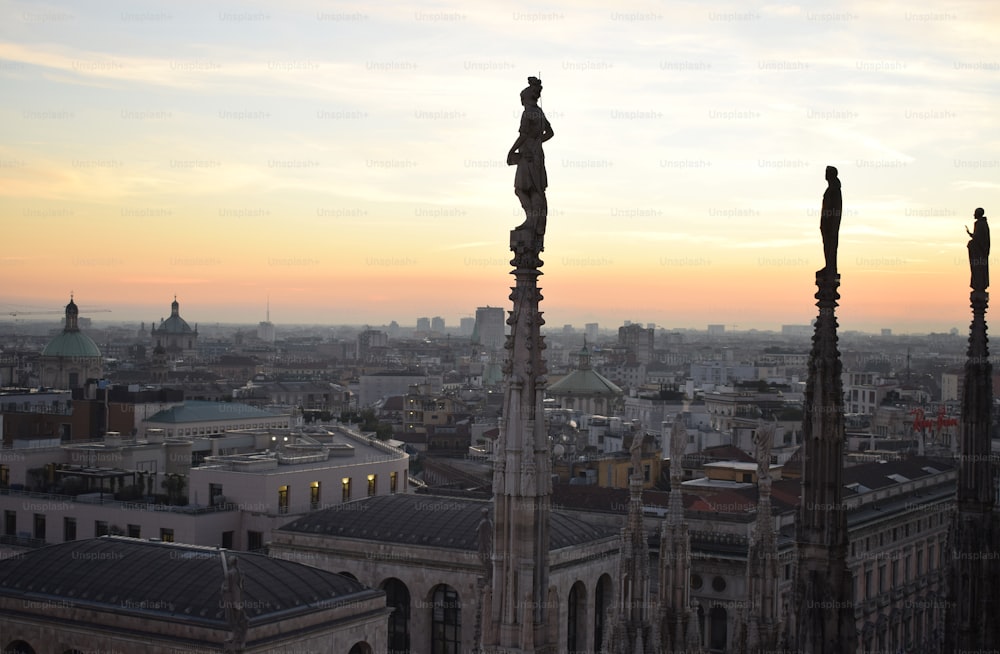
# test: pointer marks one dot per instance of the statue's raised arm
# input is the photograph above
(530, 179)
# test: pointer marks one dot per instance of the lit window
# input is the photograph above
(314, 495)
(283, 499)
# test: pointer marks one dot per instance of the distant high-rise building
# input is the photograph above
(591, 330)
(423, 324)
(796, 330)
(437, 324)
(372, 344)
(638, 340)
(489, 330)
(265, 329)
(716, 330)
(466, 326)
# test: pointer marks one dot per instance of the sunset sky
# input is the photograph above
(347, 159)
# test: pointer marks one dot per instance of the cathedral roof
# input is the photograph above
(170, 581)
(72, 342)
(432, 521)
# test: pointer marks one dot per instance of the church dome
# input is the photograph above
(174, 324)
(585, 381)
(72, 342)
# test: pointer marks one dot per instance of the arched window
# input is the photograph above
(602, 602)
(446, 621)
(360, 648)
(575, 617)
(19, 647)
(397, 597)
(718, 628)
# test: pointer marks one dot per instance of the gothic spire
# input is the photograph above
(677, 619)
(974, 537)
(762, 568)
(824, 604)
(633, 629)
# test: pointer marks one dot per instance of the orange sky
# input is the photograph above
(352, 168)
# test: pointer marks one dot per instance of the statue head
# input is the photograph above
(980, 213)
(532, 91)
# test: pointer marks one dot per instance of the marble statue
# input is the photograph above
(234, 604)
(829, 221)
(979, 252)
(530, 178)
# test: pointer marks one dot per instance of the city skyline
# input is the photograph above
(348, 163)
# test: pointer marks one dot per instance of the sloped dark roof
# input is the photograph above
(876, 475)
(586, 383)
(203, 411)
(393, 403)
(589, 497)
(725, 453)
(165, 580)
(432, 521)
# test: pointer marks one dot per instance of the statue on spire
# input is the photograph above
(829, 222)
(979, 252)
(530, 179)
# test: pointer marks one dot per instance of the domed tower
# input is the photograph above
(585, 390)
(175, 336)
(72, 357)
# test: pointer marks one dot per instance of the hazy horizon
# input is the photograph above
(348, 162)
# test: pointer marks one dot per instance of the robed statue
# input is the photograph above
(979, 252)
(829, 221)
(530, 178)
(234, 604)
(763, 438)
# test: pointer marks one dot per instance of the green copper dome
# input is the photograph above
(72, 342)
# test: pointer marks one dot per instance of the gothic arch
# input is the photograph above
(397, 597)
(446, 620)
(360, 647)
(718, 628)
(576, 618)
(603, 598)
(18, 647)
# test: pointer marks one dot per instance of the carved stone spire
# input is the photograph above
(762, 621)
(517, 596)
(633, 624)
(974, 537)
(677, 618)
(824, 621)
